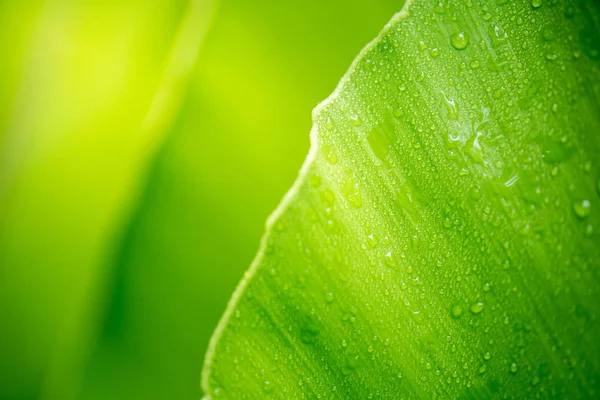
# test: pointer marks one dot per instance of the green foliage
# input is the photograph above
(441, 240)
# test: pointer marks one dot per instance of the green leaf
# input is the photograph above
(441, 240)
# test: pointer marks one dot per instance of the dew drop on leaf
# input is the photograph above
(460, 40)
(389, 259)
(355, 120)
(330, 155)
(456, 312)
(329, 297)
(473, 148)
(498, 35)
(379, 141)
(351, 190)
(513, 368)
(451, 107)
(372, 241)
(582, 208)
(476, 308)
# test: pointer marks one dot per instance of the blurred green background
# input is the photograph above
(142, 146)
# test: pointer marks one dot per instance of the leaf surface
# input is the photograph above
(441, 239)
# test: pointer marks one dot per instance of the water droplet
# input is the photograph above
(536, 3)
(329, 297)
(476, 308)
(482, 369)
(379, 141)
(487, 356)
(513, 368)
(388, 258)
(351, 190)
(473, 148)
(355, 120)
(486, 287)
(460, 40)
(498, 35)
(435, 52)
(452, 142)
(330, 155)
(498, 93)
(582, 208)
(451, 107)
(456, 312)
(372, 241)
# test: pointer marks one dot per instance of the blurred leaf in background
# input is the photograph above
(78, 81)
(118, 253)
